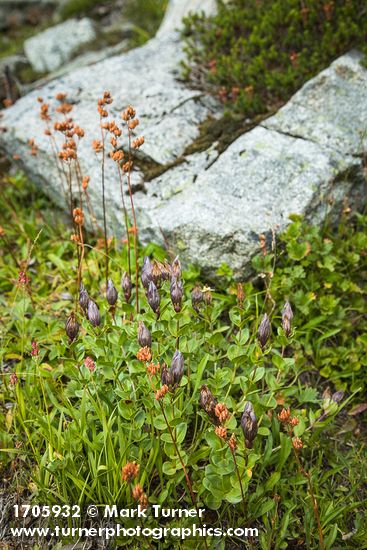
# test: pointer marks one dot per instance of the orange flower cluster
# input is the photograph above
(13, 379)
(105, 100)
(221, 412)
(97, 145)
(133, 124)
(285, 417)
(112, 128)
(117, 156)
(130, 471)
(153, 368)
(79, 131)
(144, 354)
(128, 114)
(90, 364)
(138, 142)
(64, 108)
(78, 216)
(69, 150)
(127, 166)
(161, 392)
(137, 492)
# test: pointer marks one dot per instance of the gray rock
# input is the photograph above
(50, 49)
(178, 9)
(83, 60)
(330, 109)
(216, 214)
(210, 208)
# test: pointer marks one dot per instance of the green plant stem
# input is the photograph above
(188, 481)
(135, 227)
(313, 498)
(239, 479)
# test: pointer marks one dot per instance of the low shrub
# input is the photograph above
(255, 54)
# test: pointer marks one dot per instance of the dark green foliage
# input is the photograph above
(255, 53)
(324, 274)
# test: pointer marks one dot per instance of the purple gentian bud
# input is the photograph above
(287, 316)
(83, 297)
(72, 327)
(144, 336)
(176, 293)
(177, 368)
(208, 403)
(93, 313)
(146, 272)
(126, 286)
(249, 424)
(264, 331)
(111, 293)
(154, 298)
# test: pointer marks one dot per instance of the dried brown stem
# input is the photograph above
(104, 199)
(135, 227)
(125, 218)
